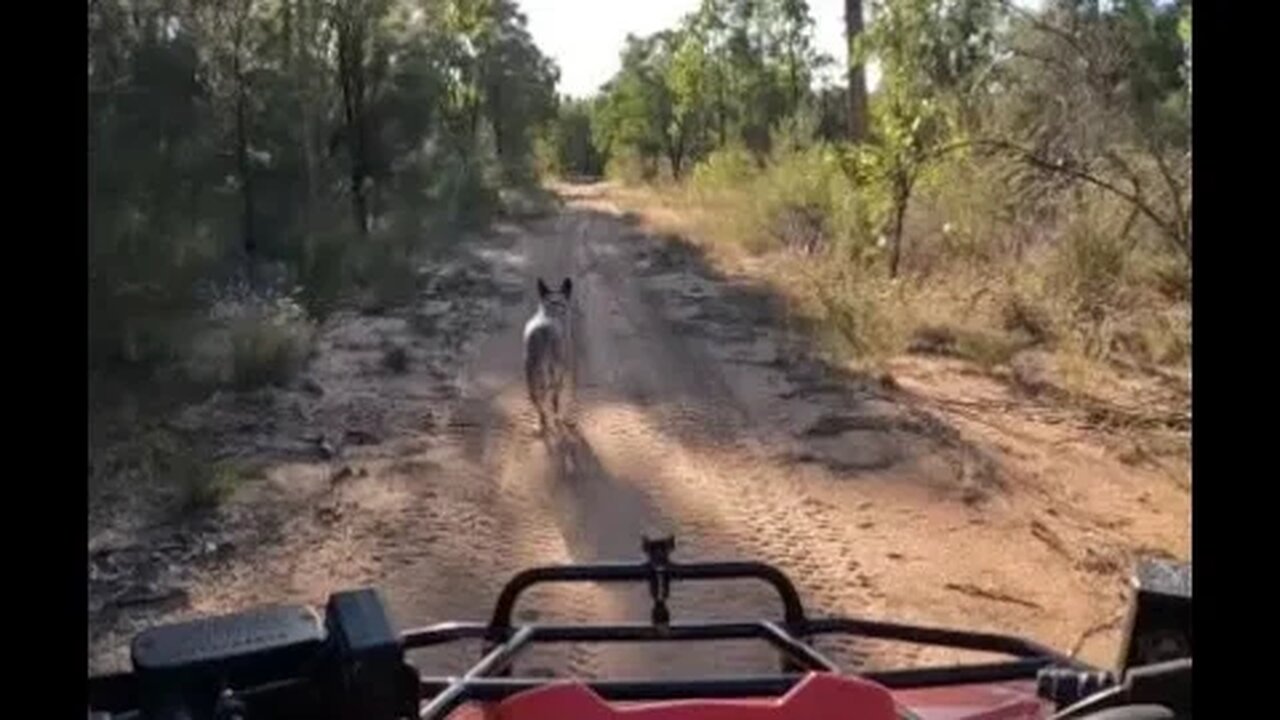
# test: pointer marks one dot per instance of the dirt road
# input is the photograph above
(697, 415)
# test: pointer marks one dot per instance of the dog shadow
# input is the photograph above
(599, 515)
(568, 450)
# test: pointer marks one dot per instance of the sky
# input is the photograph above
(584, 37)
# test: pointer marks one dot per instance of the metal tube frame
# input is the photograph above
(481, 684)
(489, 680)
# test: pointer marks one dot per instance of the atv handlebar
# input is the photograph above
(658, 570)
(286, 663)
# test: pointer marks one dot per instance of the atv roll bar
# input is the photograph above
(354, 666)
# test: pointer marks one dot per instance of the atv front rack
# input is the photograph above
(354, 665)
(489, 679)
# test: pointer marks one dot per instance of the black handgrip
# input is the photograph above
(1166, 685)
(1067, 686)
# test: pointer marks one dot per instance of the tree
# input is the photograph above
(857, 89)
(503, 79)
(638, 112)
(1099, 96)
(286, 131)
(572, 148)
(732, 71)
(932, 55)
(352, 25)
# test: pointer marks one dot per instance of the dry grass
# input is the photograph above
(169, 468)
(249, 341)
(1082, 283)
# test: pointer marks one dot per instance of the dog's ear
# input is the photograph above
(566, 288)
(543, 290)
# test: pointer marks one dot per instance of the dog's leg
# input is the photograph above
(542, 422)
(557, 387)
(554, 392)
(535, 396)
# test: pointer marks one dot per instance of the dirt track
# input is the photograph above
(697, 416)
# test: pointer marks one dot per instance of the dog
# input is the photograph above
(548, 352)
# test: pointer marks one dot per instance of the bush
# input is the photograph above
(801, 200)
(385, 274)
(468, 199)
(268, 350)
(323, 274)
(210, 485)
(630, 168)
(1023, 315)
(250, 340)
(728, 169)
(795, 200)
(997, 266)
(963, 213)
(1068, 269)
(1090, 264)
(188, 481)
(863, 315)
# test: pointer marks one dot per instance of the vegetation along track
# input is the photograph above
(696, 415)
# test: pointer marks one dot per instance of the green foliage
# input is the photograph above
(858, 310)
(805, 201)
(801, 201)
(1100, 98)
(726, 169)
(228, 136)
(569, 149)
(248, 341)
(933, 56)
(176, 464)
(729, 73)
(203, 488)
(1025, 179)
(254, 165)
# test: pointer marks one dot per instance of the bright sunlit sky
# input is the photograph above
(585, 36)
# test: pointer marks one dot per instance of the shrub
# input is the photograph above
(251, 340)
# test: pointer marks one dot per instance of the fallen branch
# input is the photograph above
(1095, 629)
(1047, 536)
(975, 591)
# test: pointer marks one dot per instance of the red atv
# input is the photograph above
(284, 662)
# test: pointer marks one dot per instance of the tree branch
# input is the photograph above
(1172, 230)
(1044, 26)
(1174, 189)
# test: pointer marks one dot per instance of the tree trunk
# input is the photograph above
(246, 173)
(902, 193)
(857, 76)
(675, 153)
(306, 28)
(496, 121)
(242, 141)
(793, 73)
(721, 111)
(351, 71)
